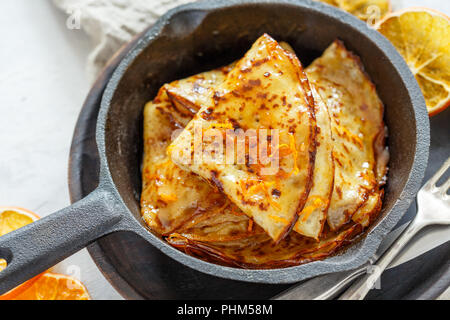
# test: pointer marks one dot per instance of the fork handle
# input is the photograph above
(361, 288)
(322, 287)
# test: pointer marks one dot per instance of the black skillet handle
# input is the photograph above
(39, 246)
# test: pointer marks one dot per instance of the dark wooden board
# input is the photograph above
(139, 271)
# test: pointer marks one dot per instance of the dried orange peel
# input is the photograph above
(46, 286)
(421, 36)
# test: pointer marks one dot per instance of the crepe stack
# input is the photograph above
(330, 156)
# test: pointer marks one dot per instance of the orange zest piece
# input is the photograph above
(263, 186)
(236, 213)
(353, 137)
(169, 150)
(220, 126)
(295, 170)
(175, 236)
(274, 204)
(306, 212)
(250, 225)
(168, 197)
(278, 219)
(285, 150)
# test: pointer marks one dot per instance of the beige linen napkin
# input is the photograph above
(111, 23)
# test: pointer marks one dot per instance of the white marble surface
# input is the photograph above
(42, 86)
(43, 82)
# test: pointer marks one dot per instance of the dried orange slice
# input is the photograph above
(367, 10)
(51, 286)
(46, 286)
(422, 37)
(3, 264)
(12, 218)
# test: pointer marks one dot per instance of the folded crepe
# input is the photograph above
(358, 131)
(174, 200)
(314, 215)
(266, 90)
(190, 94)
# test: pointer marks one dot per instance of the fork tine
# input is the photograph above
(443, 189)
(439, 173)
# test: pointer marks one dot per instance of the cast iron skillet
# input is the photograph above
(195, 38)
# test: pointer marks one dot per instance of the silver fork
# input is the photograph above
(433, 209)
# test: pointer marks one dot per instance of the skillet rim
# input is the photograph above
(372, 239)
